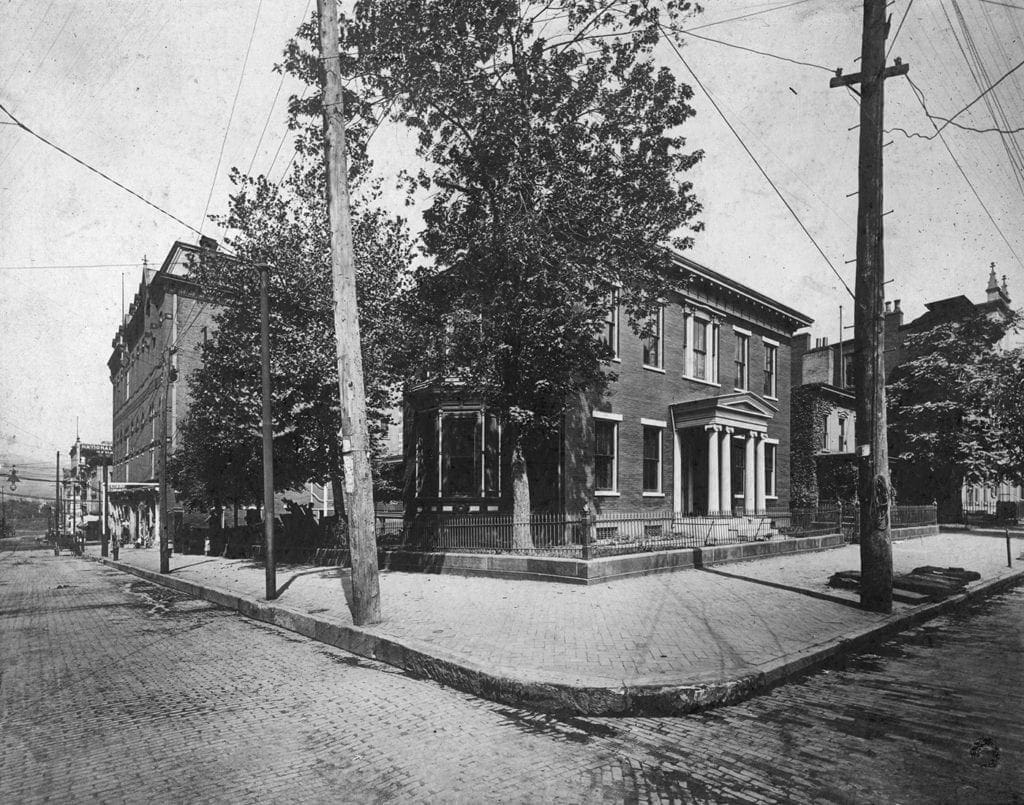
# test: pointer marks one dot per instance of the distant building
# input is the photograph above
(823, 460)
(81, 496)
(697, 420)
(156, 348)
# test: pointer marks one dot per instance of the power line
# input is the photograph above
(231, 114)
(753, 50)
(744, 16)
(70, 265)
(964, 174)
(97, 171)
(758, 164)
(982, 95)
(899, 28)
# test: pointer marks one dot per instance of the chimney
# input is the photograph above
(888, 307)
(206, 242)
(1004, 291)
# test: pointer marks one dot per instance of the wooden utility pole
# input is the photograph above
(873, 487)
(164, 519)
(57, 521)
(270, 560)
(355, 442)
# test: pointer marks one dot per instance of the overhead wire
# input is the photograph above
(231, 113)
(97, 171)
(764, 173)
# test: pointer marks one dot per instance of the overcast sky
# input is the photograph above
(144, 92)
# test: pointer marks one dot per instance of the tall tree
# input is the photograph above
(949, 417)
(220, 457)
(553, 155)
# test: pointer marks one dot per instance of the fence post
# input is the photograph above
(589, 520)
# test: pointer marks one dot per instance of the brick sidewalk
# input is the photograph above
(690, 628)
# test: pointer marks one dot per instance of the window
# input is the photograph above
(700, 349)
(771, 361)
(606, 437)
(742, 361)
(610, 333)
(701, 357)
(426, 453)
(652, 458)
(849, 376)
(470, 454)
(824, 433)
(769, 470)
(653, 343)
(842, 434)
(460, 448)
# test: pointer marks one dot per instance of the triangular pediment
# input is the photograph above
(742, 409)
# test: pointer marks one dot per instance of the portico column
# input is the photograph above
(748, 475)
(713, 497)
(677, 473)
(759, 473)
(726, 474)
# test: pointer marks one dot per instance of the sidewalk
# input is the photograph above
(666, 643)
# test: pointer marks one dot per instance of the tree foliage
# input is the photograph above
(951, 410)
(285, 226)
(554, 167)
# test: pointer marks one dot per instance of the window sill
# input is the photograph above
(605, 493)
(650, 368)
(770, 397)
(654, 494)
(702, 382)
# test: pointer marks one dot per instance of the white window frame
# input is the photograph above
(659, 319)
(772, 348)
(615, 420)
(659, 425)
(843, 433)
(742, 345)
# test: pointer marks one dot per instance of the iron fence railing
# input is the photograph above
(899, 517)
(609, 534)
(993, 511)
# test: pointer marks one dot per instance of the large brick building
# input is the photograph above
(697, 420)
(157, 347)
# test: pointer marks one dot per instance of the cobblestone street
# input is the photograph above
(113, 689)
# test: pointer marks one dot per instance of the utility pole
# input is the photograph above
(104, 526)
(165, 554)
(57, 522)
(268, 436)
(355, 443)
(873, 487)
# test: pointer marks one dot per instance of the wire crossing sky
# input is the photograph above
(152, 94)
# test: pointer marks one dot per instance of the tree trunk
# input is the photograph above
(338, 494)
(522, 539)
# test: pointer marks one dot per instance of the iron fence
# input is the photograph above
(899, 517)
(995, 511)
(610, 534)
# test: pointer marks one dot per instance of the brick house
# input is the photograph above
(697, 420)
(156, 348)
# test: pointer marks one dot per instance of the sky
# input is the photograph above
(146, 92)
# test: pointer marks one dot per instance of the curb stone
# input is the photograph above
(577, 697)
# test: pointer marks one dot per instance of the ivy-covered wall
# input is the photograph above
(808, 411)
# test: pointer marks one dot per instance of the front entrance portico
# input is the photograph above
(706, 435)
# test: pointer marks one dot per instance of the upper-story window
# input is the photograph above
(654, 344)
(824, 433)
(702, 360)
(610, 333)
(771, 365)
(849, 369)
(842, 434)
(742, 361)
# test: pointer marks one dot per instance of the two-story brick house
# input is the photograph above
(696, 421)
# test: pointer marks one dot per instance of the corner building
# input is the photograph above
(697, 421)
